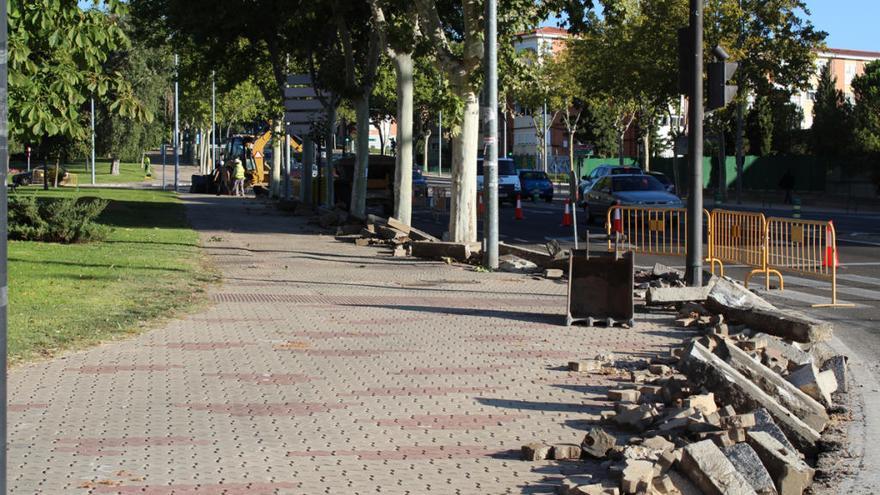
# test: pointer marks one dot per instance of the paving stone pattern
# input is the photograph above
(320, 367)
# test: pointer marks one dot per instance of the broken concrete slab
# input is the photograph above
(837, 365)
(705, 464)
(585, 366)
(566, 452)
(788, 351)
(543, 260)
(535, 452)
(595, 489)
(598, 442)
(747, 463)
(673, 295)
(764, 422)
(636, 417)
(785, 393)
(704, 403)
(570, 484)
(662, 271)
(625, 395)
(710, 371)
(438, 250)
(727, 293)
(553, 273)
(791, 474)
(787, 324)
(514, 264)
(398, 225)
(814, 383)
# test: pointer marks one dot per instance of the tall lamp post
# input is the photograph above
(213, 123)
(93, 141)
(490, 122)
(694, 267)
(176, 127)
(4, 171)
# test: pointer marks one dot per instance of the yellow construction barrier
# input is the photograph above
(806, 247)
(656, 231)
(741, 237)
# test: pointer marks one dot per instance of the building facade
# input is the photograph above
(846, 65)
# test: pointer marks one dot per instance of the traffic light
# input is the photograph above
(721, 93)
(685, 60)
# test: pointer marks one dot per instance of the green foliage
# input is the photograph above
(760, 127)
(599, 128)
(57, 56)
(66, 220)
(867, 111)
(832, 129)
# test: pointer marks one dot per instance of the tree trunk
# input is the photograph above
(646, 140)
(57, 166)
(378, 126)
(114, 165)
(275, 180)
(620, 148)
(427, 137)
(358, 206)
(463, 218)
(403, 63)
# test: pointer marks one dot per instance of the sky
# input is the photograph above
(850, 24)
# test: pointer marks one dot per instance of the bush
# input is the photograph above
(65, 220)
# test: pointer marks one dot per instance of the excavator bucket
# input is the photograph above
(600, 288)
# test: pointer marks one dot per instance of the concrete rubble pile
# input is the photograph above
(735, 410)
(404, 240)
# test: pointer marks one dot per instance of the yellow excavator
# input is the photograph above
(251, 151)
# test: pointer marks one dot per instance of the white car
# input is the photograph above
(508, 180)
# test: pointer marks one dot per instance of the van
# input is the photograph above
(508, 180)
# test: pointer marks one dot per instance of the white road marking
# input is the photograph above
(859, 278)
(801, 297)
(863, 243)
(869, 294)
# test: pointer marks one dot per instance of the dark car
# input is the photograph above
(666, 181)
(535, 183)
(35, 176)
(380, 181)
(587, 181)
(627, 190)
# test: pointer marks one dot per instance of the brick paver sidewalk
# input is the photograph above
(320, 367)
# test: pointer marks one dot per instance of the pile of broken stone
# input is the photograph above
(739, 409)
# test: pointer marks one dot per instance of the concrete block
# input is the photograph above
(437, 250)
(788, 351)
(781, 390)
(598, 442)
(627, 395)
(748, 464)
(705, 464)
(791, 474)
(704, 403)
(659, 369)
(637, 476)
(664, 485)
(838, 365)
(731, 295)
(585, 366)
(635, 417)
(553, 273)
(659, 444)
(764, 422)
(570, 484)
(810, 380)
(672, 295)
(514, 264)
(738, 421)
(535, 452)
(710, 371)
(566, 452)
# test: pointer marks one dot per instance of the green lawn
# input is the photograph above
(68, 296)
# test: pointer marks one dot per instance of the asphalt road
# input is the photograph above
(858, 276)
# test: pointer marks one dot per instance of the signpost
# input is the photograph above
(302, 109)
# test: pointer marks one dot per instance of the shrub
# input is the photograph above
(65, 220)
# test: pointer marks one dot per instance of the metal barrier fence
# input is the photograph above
(438, 200)
(766, 245)
(657, 231)
(806, 247)
(741, 237)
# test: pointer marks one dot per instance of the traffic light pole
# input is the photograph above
(490, 121)
(4, 170)
(694, 268)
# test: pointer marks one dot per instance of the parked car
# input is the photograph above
(508, 180)
(536, 183)
(666, 181)
(587, 181)
(35, 176)
(627, 190)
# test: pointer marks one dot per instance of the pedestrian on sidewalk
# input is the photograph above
(238, 187)
(787, 185)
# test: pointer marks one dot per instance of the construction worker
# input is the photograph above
(238, 174)
(148, 171)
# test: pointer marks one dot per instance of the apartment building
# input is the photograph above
(846, 65)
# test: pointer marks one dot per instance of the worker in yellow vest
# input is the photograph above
(238, 175)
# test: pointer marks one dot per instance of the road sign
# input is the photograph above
(258, 155)
(302, 105)
(301, 92)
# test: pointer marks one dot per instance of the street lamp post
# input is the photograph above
(176, 127)
(213, 122)
(490, 122)
(93, 141)
(4, 171)
(694, 268)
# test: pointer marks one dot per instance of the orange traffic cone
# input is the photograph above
(566, 217)
(519, 212)
(481, 208)
(830, 250)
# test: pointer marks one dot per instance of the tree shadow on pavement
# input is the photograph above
(525, 405)
(542, 318)
(407, 288)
